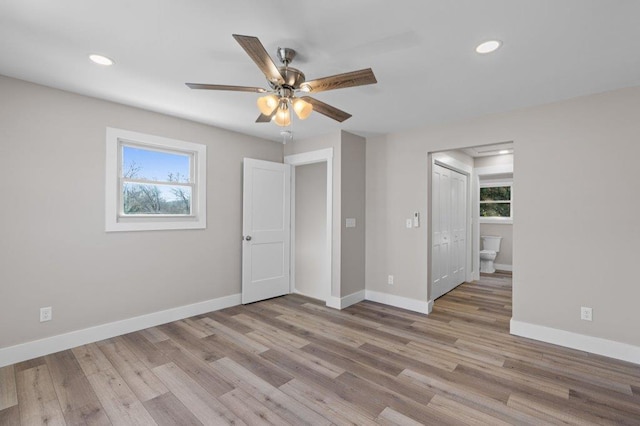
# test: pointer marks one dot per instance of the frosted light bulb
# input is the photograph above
(282, 117)
(302, 108)
(267, 104)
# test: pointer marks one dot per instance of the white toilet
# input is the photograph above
(490, 248)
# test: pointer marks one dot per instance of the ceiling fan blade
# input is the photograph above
(226, 87)
(264, 118)
(326, 109)
(257, 52)
(340, 81)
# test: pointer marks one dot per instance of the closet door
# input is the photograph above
(441, 230)
(449, 230)
(458, 228)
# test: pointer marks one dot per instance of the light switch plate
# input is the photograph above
(351, 222)
(409, 223)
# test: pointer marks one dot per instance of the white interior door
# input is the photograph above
(449, 230)
(441, 241)
(266, 230)
(458, 228)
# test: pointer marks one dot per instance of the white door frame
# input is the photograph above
(312, 157)
(451, 163)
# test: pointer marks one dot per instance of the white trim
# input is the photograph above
(72, 339)
(346, 301)
(503, 267)
(449, 162)
(582, 342)
(398, 301)
(496, 220)
(475, 227)
(494, 170)
(292, 232)
(311, 157)
(114, 221)
(429, 306)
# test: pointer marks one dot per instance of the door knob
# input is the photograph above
(248, 238)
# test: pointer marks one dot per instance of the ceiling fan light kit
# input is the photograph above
(285, 81)
(302, 108)
(267, 104)
(282, 116)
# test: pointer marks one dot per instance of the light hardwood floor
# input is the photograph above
(291, 360)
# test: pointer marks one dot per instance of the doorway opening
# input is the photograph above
(311, 223)
(455, 229)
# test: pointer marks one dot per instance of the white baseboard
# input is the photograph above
(24, 351)
(595, 345)
(399, 302)
(346, 301)
(501, 267)
(295, 291)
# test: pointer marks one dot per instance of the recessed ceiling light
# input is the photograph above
(488, 46)
(101, 60)
(503, 151)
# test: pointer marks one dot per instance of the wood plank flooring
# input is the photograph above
(291, 360)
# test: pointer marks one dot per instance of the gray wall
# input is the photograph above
(334, 141)
(570, 251)
(349, 163)
(353, 206)
(311, 277)
(505, 256)
(53, 247)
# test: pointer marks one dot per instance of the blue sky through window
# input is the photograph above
(155, 165)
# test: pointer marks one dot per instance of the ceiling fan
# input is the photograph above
(285, 82)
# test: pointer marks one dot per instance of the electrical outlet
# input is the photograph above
(390, 280)
(46, 314)
(586, 314)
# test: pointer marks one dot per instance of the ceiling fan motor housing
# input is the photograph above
(292, 77)
(286, 55)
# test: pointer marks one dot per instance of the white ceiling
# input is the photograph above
(422, 53)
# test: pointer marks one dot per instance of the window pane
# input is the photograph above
(495, 210)
(139, 163)
(155, 199)
(495, 193)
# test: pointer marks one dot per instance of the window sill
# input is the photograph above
(155, 224)
(497, 220)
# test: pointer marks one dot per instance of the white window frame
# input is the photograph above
(492, 184)
(116, 220)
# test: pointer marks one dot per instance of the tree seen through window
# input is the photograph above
(495, 201)
(155, 182)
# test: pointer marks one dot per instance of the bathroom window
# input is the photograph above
(154, 183)
(496, 203)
